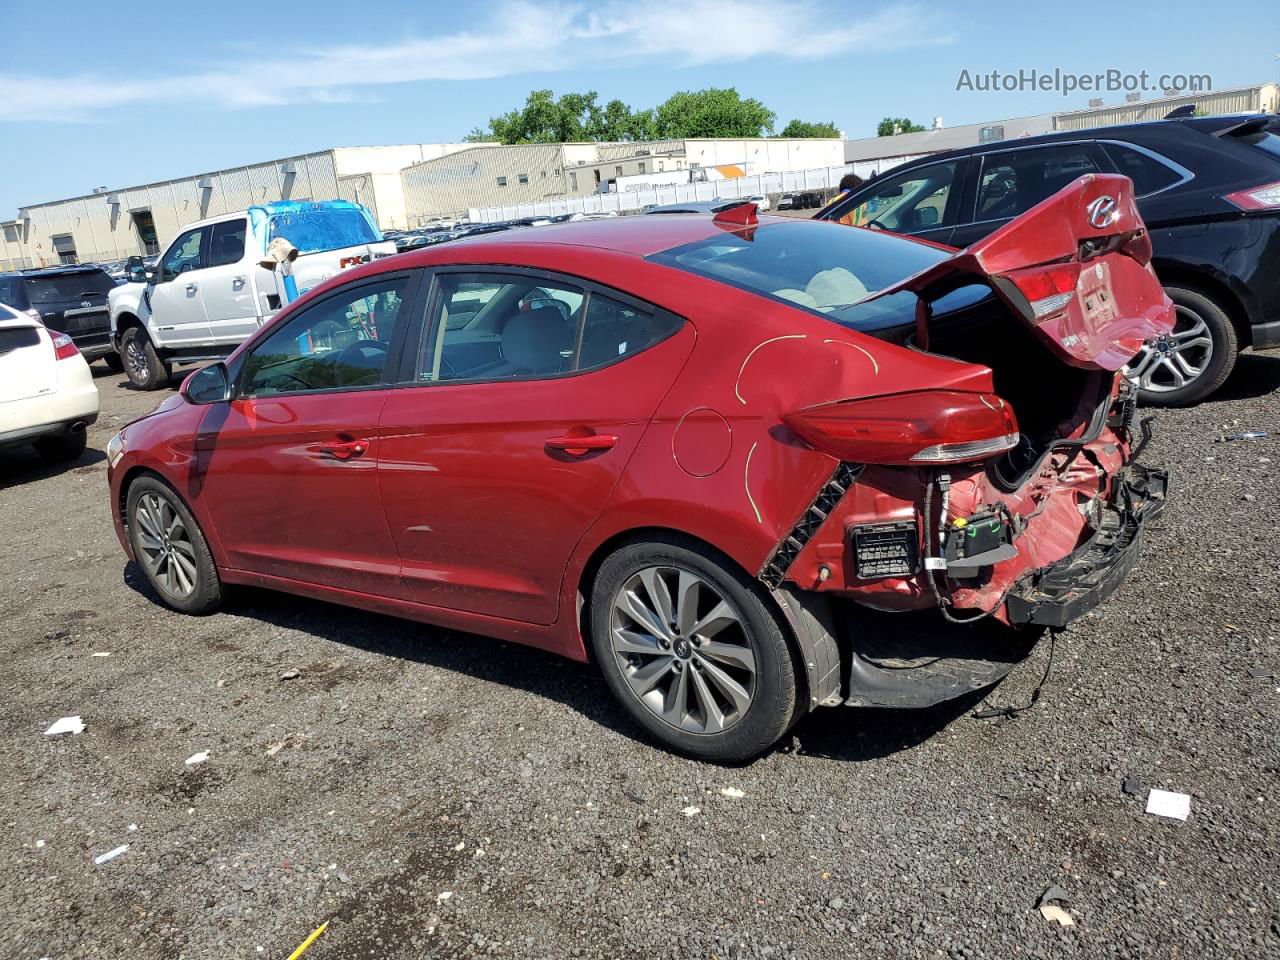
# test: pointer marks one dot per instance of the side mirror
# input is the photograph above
(138, 275)
(210, 384)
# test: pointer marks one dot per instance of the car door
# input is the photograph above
(921, 202)
(177, 308)
(226, 284)
(531, 393)
(1010, 182)
(290, 463)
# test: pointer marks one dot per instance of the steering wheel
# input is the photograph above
(875, 225)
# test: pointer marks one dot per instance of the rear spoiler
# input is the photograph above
(1248, 128)
(1075, 267)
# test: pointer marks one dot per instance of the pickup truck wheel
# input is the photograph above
(141, 362)
(693, 650)
(1192, 361)
(114, 362)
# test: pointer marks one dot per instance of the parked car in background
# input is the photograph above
(1208, 189)
(761, 201)
(70, 300)
(210, 290)
(801, 200)
(47, 394)
(691, 448)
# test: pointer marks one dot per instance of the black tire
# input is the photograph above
(1192, 305)
(758, 626)
(205, 594)
(114, 362)
(61, 449)
(145, 368)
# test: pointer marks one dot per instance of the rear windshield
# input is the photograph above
(60, 288)
(822, 267)
(314, 231)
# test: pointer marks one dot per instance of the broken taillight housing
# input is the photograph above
(919, 427)
(1048, 289)
(1265, 197)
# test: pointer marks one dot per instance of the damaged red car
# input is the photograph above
(686, 448)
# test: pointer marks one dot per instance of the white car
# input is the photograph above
(47, 394)
(209, 291)
(761, 202)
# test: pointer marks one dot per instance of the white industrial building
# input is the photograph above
(108, 224)
(495, 175)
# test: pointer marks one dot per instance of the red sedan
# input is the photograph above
(684, 447)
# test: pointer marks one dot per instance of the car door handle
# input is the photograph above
(192, 288)
(581, 446)
(343, 449)
(238, 281)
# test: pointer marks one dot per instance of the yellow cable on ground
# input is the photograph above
(302, 947)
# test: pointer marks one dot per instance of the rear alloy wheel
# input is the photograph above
(141, 362)
(1190, 362)
(693, 650)
(168, 545)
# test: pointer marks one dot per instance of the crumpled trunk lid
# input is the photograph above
(1075, 268)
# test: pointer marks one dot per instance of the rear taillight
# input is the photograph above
(921, 427)
(1048, 289)
(1265, 197)
(63, 346)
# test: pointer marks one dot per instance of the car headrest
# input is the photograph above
(534, 340)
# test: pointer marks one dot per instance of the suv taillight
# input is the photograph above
(910, 429)
(63, 346)
(1265, 197)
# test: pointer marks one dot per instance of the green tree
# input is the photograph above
(711, 113)
(803, 128)
(892, 125)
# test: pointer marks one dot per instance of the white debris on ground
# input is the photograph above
(65, 725)
(1166, 803)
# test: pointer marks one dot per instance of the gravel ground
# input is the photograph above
(436, 795)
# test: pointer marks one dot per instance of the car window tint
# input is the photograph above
(184, 254)
(916, 200)
(1147, 173)
(1013, 183)
(227, 245)
(9, 291)
(341, 342)
(612, 329)
(499, 327)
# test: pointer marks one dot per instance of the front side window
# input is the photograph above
(227, 245)
(1147, 173)
(341, 342)
(916, 200)
(1013, 183)
(490, 327)
(184, 254)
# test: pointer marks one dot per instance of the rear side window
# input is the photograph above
(67, 287)
(1013, 183)
(9, 293)
(1147, 173)
(228, 243)
(909, 202)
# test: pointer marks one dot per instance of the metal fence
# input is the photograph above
(821, 178)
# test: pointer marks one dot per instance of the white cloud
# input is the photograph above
(518, 37)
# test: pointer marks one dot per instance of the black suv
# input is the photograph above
(1207, 187)
(71, 300)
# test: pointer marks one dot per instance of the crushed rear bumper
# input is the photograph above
(1073, 586)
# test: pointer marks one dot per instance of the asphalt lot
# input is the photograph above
(446, 795)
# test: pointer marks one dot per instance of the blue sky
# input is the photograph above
(104, 95)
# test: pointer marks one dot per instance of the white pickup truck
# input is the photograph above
(209, 290)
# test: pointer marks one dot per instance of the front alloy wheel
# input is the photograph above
(682, 649)
(170, 548)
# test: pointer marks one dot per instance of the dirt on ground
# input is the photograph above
(434, 794)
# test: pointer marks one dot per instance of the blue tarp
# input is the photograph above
(314, 226)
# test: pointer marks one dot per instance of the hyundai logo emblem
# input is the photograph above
(1103, 212)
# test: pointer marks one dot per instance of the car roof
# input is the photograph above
(639, 236)
(1124, 131)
